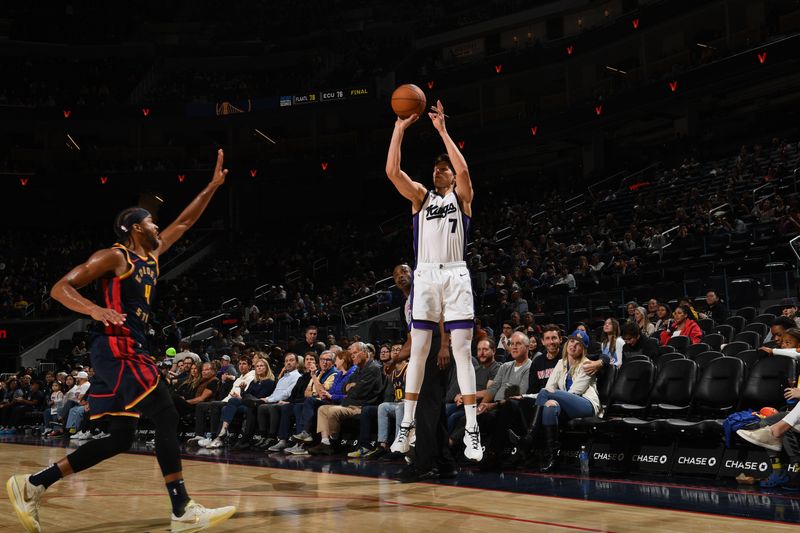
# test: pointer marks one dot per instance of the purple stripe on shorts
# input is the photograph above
(459, 324)
(424, 324)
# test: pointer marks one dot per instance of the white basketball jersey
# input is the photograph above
(440, 229)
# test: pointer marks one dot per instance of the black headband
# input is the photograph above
(136, 215)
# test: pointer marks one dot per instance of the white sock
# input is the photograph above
(471, 412)
(409, 409)
(326, 440)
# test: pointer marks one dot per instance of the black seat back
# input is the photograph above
(680, 343)
(727, 331)
(759, 327)
(675, 382)
(696, 349)
(751, 357)
(752, 338)
(605, 382)
(733, 348)
(720, 384)
(705, 358)
(764, 318)
(713, 340)
(633, 383)
(666, 349)
(666, 358)
(707, 325)
(766, 382)
(748, 313)
(737, 322)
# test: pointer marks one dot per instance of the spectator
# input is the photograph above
(518, 303)
(212, 411)
(186, 351)
(777, 329)
(569, 393)
(269, 411)
(612, 343)
(295, 401)
(364, 388)
(638, 344)
(646, 327)
(202, 390)
(790, 310)
(682, 325)
(664, 322)
(309, 344)
(227, 372)
(714, 308)
(652, 310)
(505, 337)
(54, 405)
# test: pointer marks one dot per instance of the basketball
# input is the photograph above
(407, 100)
(767, 411)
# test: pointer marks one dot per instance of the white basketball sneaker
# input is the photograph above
(472, 442)
(198, 518)
(403, 441)
(25, 500)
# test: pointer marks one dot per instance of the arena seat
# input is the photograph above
(738, 323)
(707, 325)
(674, 386)
(752, 338)
(663, 350)
(748, 313)
(667, 357)
(751, 357)
(733, 348)
(713, 340)
(758, 327)
(766, 382)
(765, 318)
(705, 358)
(680, 343)
(695, 349)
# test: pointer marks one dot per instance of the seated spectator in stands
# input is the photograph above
(54, 404)
(365, 387)
(570, 393)
(638, 344)
(664, 321)
(652, 310)
(630, 310)
(505, 338)
(186, 351)
(646, 327)
(390, 408)
(294, 403)
(207, 414)
(764, 212)
(714, 308)
(596, 265)
(611, 343)
(565, 278)
(627, 243)
(245, 399)
(33, 400)
(227, 372)
(777, 329)
(332, 395)
(385, 356)
(11, 397)
(518, 303)
(682, 325)
(268, 411)
(789, 344)
(687, 302)
(200, 389)
(309, 342)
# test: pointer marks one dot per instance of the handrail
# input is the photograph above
(767, 197)
(294, 275)
(388, 278)
(794, 248)
(226, 302)
(209, 320)
(715, 209)
(591, 187)
(363, 298)
(503, 234)
(387, 221)
(536, 215)
(179, 322)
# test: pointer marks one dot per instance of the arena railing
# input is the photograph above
(165, 329)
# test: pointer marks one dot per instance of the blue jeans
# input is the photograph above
(454, 414)
(231, 408)
(289, 411)
(368, 414)
(306, 421)
(574, 406)
(75, 417)
(388, 410)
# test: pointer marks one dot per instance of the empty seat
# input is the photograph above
(728, 332)
(758, 327)
(680, 343)
(730, 350)
(738, 323)
(605, 382)
(713, 340)
(748, 313)
(667, 357)
(674, 385)
(705, 358)
(752, 338)
(707, 325)
(766, 382)
(665, 349)
(695, 349)
(751, 357)
(774, 309)
(765, 318)
(631, 389)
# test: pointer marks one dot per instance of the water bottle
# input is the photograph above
(208, 435)
(583, 457)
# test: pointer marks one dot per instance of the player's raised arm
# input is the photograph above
(192, 213)
(99, 264)
(410, 189)
(463, 181)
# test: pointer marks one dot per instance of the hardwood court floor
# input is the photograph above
(126, 494)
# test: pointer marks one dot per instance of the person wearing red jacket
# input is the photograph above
(682, 325)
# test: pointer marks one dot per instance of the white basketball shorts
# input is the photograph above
(442, 291)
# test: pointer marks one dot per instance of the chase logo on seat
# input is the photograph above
(698, 460)
(754, 463)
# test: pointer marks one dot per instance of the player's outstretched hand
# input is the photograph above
(108, 316)
(404, 123)
(219, 173)
(437, 116)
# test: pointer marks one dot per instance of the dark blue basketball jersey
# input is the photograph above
(131, 294)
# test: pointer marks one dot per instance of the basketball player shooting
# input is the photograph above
(441, 286)
(126, 382)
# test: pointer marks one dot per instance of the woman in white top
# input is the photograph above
(646, 327)
(570, 393)
(611, 343)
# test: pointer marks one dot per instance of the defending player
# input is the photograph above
(441, 287)
(126, 381)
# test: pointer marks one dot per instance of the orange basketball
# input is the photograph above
(407, 100)
(768, 411)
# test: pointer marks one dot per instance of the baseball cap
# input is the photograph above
(83, 375)
(171, 351)
(226, 357)
(580, 335)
